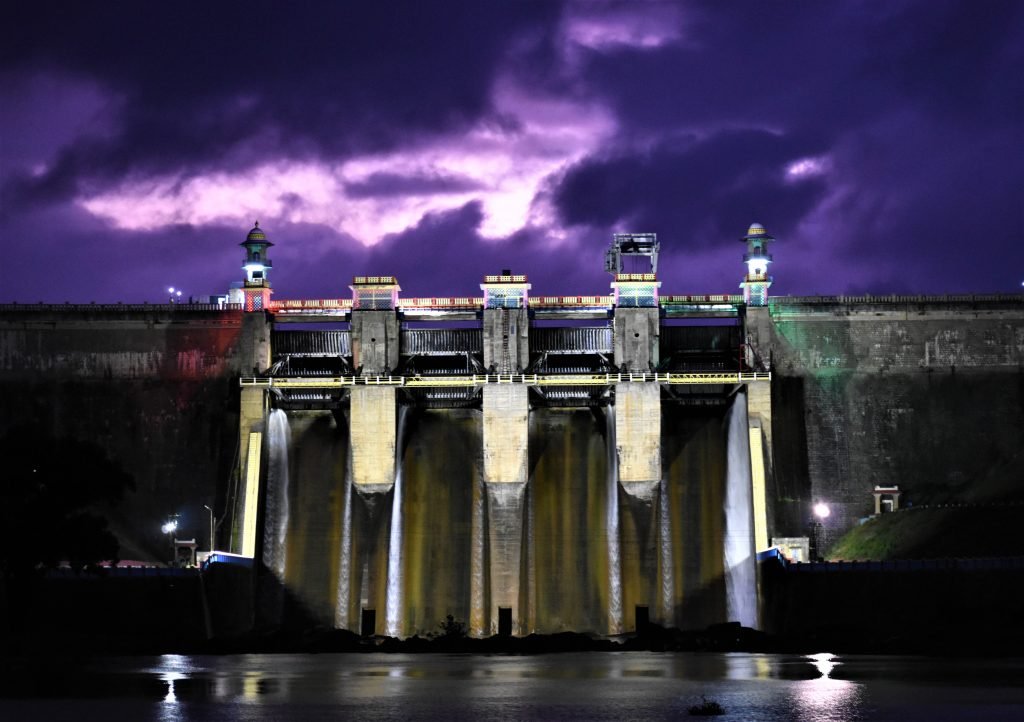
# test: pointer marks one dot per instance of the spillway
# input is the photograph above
(590, 551)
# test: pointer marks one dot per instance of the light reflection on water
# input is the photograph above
(825, 699)
(613, 686)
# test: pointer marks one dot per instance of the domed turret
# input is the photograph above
(756, 282)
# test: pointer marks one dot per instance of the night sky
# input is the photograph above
(882, 143)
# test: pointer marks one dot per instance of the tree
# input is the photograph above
(51, 492)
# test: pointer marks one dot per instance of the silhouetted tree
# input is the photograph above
(50, 491)
(451, 628)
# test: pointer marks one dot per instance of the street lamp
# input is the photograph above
(209, 509)
(821, 513)
(169, 527)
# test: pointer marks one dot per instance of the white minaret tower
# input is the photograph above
(257, 267)
(756, 282)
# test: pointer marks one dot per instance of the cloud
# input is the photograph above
(444, 141)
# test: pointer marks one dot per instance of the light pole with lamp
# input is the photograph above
(210, 509)
(169, 527)
(821, 513)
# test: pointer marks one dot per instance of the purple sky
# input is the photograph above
(882, 143)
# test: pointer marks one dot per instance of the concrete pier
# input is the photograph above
(637, 406)
(506, 417)
(505, 451)
(638, 437)
(373, 418)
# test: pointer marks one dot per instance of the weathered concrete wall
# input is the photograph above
(51, 344)
(635, 338)
(506, 339)
(155, 387)
(373, 417)
(927, 396)
(638, 435)
(505, 433)
(375, 342)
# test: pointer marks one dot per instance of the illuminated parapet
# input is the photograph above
(757, 281)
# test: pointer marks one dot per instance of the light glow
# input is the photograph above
(170, 527)
(821, 510)
(757, 267)
(503, 166)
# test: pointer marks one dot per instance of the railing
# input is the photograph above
(36, 307)
(444, 303)
(310, 304)
(897, 298)
(712, 299)
(571, 301)
(707, 378)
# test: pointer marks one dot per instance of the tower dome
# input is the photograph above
(756, 230)
(256, 235)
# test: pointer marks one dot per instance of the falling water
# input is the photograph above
(275, 525)
(668, 583)
(740, 570)
(275, 519)
(341, 610)
(393, 611)
(612, 528)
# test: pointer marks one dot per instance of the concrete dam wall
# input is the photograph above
(570, 505)
(926, 395)
(156, 388)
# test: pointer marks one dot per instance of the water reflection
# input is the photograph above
(825, 699)
(766, 687)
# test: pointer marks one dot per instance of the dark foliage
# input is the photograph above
(51, 493)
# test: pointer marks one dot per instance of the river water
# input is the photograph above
(596, 686)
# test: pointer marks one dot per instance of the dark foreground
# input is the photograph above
(610, 686)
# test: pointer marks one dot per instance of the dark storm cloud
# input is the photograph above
(677, 118)
(702, 189)
(228, 82)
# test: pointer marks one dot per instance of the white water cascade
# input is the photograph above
(275, 525)
(665, 562)
(393, 611)
(342, 603)
(612, 524)
(740, 562)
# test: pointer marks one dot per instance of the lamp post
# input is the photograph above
(210, 509)
(169, 527)
(821, 512)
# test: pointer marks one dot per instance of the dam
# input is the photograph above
(525, 463)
